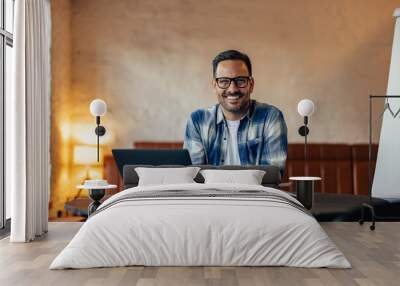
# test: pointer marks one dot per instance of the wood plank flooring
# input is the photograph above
(374, 255)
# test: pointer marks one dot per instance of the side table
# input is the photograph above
(96, 193)
(305, 190)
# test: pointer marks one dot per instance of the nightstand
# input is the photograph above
(96, 193)
(305, 190)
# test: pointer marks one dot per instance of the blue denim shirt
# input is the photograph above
(262, 136)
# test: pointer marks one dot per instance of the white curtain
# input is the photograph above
(386, 179)
(30, 121)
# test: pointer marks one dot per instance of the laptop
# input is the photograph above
(150, 157)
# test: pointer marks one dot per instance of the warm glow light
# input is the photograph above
(86, 155)
(95, 174)
(84, 133)
(64, 175)
(65, 130)
(64, 153)
(75, 153)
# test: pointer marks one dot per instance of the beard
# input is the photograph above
(237, 103)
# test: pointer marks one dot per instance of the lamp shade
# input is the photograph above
(84, 155)
(305, 107)
(98, 107)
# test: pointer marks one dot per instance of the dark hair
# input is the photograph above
(231, 55)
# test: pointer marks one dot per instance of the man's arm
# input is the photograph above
(193, 143)
(275, 138)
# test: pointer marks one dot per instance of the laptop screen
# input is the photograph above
(150, 157)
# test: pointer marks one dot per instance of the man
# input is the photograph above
(237, 130)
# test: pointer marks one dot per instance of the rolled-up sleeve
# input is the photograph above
(192, 141)
(276, 145)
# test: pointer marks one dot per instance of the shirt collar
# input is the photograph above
(221, 117)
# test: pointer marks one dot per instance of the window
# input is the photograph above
(6, 66)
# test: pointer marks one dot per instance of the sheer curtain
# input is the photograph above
(29, 121)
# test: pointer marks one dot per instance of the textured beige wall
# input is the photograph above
(150, 60)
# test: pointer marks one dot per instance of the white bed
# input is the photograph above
(206, 230)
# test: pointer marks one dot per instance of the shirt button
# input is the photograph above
(222, 160)
(224, 138)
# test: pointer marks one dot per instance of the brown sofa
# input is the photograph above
(343, 167)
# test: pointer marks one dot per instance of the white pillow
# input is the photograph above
(163, 176)
(249, 177)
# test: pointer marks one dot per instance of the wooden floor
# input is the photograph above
(375, 256)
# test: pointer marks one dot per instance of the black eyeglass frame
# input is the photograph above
(235, 79)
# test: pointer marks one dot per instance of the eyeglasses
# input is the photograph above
(240, 81)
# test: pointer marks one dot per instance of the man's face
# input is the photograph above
(236, 97)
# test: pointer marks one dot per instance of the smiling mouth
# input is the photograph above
(232, 97)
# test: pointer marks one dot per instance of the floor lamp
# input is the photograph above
(370, 205)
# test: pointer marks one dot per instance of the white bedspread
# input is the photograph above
(200, 231)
